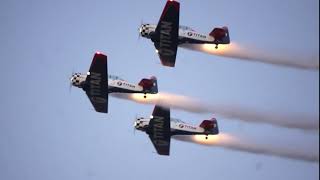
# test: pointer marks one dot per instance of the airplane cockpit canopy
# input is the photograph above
(186, 28)
(177, 120)
(113, 77)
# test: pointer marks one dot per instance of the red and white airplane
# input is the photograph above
(98, 84)
(160, 127)
(168, 34)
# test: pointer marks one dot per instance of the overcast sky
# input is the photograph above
(46, 132)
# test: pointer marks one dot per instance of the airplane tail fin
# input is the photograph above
(210, 126)
(220, 35)
(149, 85)
(154, 88)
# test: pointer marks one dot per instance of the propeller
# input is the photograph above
(134, 128)
(70, 82)
(139, 33)
(70, 87)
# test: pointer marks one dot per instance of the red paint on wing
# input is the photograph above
(169, 3)
(98, 56)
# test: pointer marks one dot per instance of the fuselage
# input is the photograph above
(186, 34)
(115, 84)
(177, 126)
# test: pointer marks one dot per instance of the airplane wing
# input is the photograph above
(97, 83)
(159, 130)
(167, 32)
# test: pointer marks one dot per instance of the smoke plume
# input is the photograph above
(235, 50)
(299, 149)
(227, 110)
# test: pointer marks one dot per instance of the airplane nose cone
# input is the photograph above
(137, 123)
(74, 79)
(143, 30)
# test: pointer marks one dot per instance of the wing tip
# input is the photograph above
(168, 64)
(100, 53)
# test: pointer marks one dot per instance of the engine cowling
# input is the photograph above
(78, 79)
(147, 30)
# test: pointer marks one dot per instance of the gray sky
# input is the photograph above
(48, 133)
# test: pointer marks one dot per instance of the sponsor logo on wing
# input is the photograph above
(95, 88)
(158, 132)
(166, 39)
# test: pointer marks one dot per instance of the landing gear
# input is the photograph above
(216, 46)
(206, 136)
(145, 95)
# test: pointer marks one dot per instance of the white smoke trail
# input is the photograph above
(299, 150)
(226, 110)
(235, 50)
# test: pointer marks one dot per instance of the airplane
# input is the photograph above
(98, 84)
(160, 127)
(167, 35)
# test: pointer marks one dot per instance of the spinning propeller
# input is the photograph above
(139, 29)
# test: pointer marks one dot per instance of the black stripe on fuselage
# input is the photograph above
(182, 132)
(122, 90)
(185, 40)
(112, 89)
